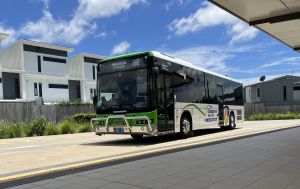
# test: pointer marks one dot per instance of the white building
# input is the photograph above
(31, 69)
(83, 74)
(3, 36)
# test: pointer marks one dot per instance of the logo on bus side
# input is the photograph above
(211, 113)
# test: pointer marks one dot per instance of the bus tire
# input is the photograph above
(185, 126)
(232, 124)
(137, 136)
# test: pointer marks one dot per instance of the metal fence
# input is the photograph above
(255, 108)
(28, 111)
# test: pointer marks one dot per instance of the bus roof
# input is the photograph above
(171, 59)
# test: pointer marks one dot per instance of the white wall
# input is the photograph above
(49, 94)
(75, 67)
(88, 71)
(47, 68)
(11, 57)
(87, 90)
(1, 86)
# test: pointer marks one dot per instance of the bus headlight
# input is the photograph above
(144, 121)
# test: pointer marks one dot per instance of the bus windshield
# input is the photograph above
(124, 91)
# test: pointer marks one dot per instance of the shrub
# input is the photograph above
(52, 129)
(37, 127)
(68, 126)
(11, 130)
(273, 116)
(73, 102)
(83, 118)
(85, 128)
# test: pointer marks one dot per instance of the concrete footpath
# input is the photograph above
(25, 155)
(269, 161)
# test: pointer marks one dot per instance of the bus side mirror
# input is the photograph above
(95, 100)
(155, 70)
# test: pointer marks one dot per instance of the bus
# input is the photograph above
(151, 93)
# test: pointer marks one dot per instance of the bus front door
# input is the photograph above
(165, 108)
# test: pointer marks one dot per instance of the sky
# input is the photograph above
(192, 30)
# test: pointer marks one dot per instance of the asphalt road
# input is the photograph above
(265, 161)
(41, 153)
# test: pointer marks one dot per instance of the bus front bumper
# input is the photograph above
(99, 130)
(123, 129)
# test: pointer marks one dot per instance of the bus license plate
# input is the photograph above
(119, 130)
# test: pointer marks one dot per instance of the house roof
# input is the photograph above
(278, 18)
(46, 45)
(91, 55)
(274, 79)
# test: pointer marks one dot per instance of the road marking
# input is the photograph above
(133, 155)
(43, 145)
(18, 147)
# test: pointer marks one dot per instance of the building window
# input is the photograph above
(0, 80)
(58, 86)
(35, 89)
(30, 48)
(39, 64)
(51, 59)
(284, 93)
(258, 92)
(94, 74)
(296, 93)
(92, 93)
(40, 90)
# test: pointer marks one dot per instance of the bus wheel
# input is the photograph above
(232, 124)
(185, 127)
(137, 137)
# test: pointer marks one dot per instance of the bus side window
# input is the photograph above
(220, 94)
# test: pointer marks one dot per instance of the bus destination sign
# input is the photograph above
(122, 64)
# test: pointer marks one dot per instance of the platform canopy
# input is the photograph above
(278, 18)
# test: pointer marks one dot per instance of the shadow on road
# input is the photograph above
(149, 140)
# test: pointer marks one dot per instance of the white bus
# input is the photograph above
(150, 93)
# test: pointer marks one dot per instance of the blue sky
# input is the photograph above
(193, 30)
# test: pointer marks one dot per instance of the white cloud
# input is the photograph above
(205, 57)
(171, 3)
(283, 61)
(214, 58)
(50, 30)
(240, 32)
(288, 63)
(92, 9)
(120, 48)
(209, 16)
(12, 35)
(104, 34)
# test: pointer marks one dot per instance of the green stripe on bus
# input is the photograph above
(149, 53)
(193, 105)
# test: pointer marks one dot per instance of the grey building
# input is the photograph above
(280, 91)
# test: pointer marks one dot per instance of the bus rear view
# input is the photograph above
(150, 93)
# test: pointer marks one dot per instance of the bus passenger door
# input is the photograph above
(220, 98)
(165, 103)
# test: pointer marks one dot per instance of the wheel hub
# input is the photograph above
(186, 126)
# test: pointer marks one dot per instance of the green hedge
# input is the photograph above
(273, 116)
(41, 127)
(83, 118)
